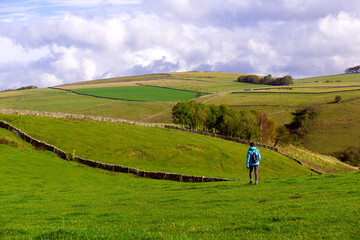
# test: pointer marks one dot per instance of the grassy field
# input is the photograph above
(152, 149)
(335, 129)
(60, 101)
(147, 77)
(142, 93)
(338, 78)
(326, 125)
(44, 197)
(282, 99)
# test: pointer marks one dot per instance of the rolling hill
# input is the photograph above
(45, 197)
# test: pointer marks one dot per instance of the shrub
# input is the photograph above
(8, 142)
(350, 156)
(299, 127)
(337, 98)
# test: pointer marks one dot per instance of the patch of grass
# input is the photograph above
(44, 197)
(6, 141)
(322, 163)
(152, 149)
(143, 93)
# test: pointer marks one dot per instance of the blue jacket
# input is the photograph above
(249, 154)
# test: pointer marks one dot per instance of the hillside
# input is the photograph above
(336, 120)
(152, 149)
(44, 197)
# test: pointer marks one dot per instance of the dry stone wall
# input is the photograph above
(109, 167)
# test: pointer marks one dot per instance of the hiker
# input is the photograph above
(253, 161)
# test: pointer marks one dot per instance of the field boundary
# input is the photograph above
(107, 119)
(109, 167)
(167, 76)
(177, 89)
(120, 99)
(290, 106)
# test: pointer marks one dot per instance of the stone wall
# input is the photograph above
(107, 119)
(109, 167)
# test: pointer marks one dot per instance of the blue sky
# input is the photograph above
(47, 43)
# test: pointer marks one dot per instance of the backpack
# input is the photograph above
(255, 158)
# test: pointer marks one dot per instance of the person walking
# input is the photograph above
(253, 162)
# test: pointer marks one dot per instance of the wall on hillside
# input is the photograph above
(107, 119)
(109, 167)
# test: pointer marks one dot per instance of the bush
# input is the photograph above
(299, 127)
(337, 98)
(349, 156)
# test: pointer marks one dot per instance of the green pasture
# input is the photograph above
(122, 79)
(44, 197)
(282, 99)
(206, 76)
(335, 129)
(333, 79)
(311, 89)
(141, 93)
(152, 149)
(214, 87)
(60, 101)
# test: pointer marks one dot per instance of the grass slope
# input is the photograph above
(44, 197)
(336, 128)
(142, 93)
(59, 101)
(333, 78)
(153, 149)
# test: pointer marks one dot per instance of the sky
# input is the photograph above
(48, 43)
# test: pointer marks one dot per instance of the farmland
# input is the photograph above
(45, 197)
(140, 93)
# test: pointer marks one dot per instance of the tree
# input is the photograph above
(267, 128)
(287, 80)
(355, 69)
(282, 136)
(267, 79)
(214, 118)
(182, 114)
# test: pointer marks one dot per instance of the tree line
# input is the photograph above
(267, 80)
(21, 88)
(247, 125)
(355, 69)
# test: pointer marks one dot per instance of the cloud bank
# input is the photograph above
(47, 43)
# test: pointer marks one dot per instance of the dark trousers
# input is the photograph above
(256, 170)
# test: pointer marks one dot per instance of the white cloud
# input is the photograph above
(12, 52)
(47, 79)
(104, 38)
